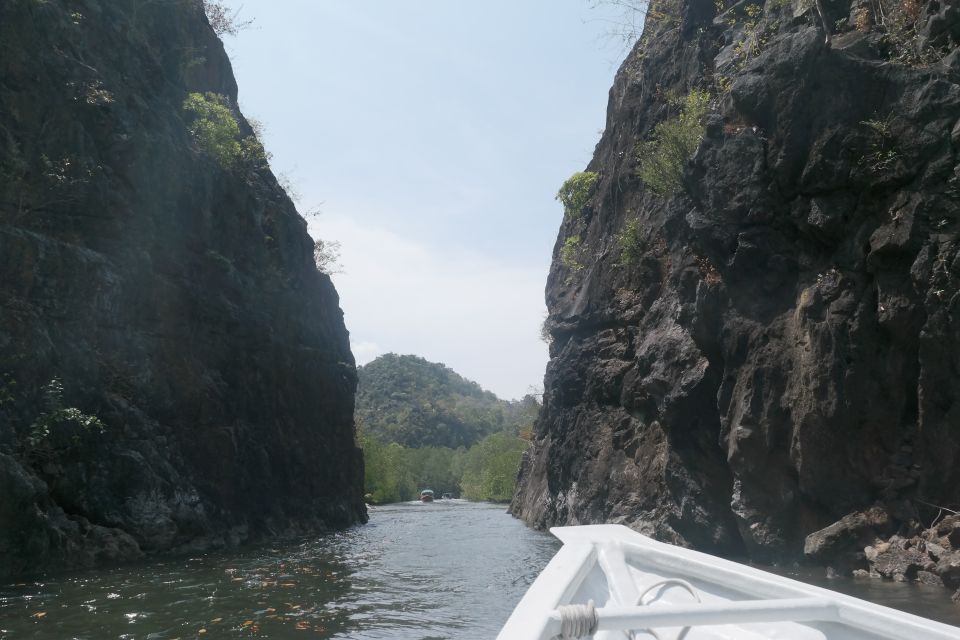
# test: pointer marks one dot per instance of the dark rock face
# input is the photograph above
(855, 544)
(842, 545)
(787, 350)
(176, 301)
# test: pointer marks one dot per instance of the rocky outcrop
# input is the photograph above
(854, 545)
(841, 544)
(174, 370)
(784, 347)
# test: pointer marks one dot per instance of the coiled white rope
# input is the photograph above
(578, 620)
(670, 582)
(581, 620)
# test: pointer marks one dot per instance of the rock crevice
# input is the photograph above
(174, 371)
(784, 352)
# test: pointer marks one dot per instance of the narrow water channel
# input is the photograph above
(451, 569)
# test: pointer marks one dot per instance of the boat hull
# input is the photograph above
(615, 567)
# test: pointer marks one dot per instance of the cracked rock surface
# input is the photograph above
(175, 301)
(786, 351)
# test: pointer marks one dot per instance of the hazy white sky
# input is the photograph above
(433, 135)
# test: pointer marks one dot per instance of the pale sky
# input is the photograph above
(433, 135)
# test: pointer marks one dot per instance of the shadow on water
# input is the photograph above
(450, 569)
(920, 599)
(256, 595)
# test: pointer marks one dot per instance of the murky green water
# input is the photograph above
(450, 569)
(919, 599)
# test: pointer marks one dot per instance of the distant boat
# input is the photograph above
(426, 495)
(447, 496)
(609, 582)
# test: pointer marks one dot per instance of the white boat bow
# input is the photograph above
(610, 582)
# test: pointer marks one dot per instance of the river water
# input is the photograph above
(451, 569)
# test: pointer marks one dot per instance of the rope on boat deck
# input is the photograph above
(582, 620)
(578, 620)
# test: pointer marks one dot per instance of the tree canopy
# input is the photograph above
(415, 403)
(423, 426)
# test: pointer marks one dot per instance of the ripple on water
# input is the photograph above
(451, 569)
(411, 573)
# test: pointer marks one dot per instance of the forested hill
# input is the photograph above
(416, 403)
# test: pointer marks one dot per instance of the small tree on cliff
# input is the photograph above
(326, 255)
(216, 131)
(223, 21)
(576, 191)
(630, 16)
(674, 140)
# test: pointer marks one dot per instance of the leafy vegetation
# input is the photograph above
(38, 425)
(882, 153)
(628, 26)
(59, 426)
(545, 334)
(416, 403)
(223, 21)
(754, 39)
(663, 158)
(424, 426)
(576, 192)
(490, 468)
(570, 254)
(486, 471)
(394, 473)
(902, 20)
(632, 244)
(43, 183)
(216, 131)
(326, 255)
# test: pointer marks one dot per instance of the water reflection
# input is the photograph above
(261, 595)
(450, 569)
(920, 599)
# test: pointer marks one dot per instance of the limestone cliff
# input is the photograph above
(783, 348)
(174, 370)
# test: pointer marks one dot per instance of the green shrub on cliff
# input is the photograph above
(569, 254)
(882, 153)
(64, 423)
(674, 140)
(223, 20)
(326, 255)
(632, 244)
(576, 192)
(217, 132)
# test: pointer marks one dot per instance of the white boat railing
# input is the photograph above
(620, 567)
(646, 617)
